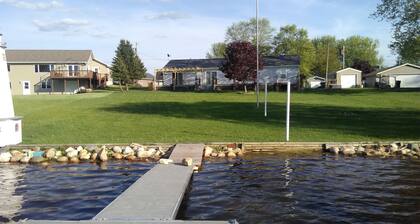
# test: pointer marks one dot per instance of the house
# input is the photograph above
(315, 82)
(345, 79)
(205, 74)
(401, 76)
(55, 71)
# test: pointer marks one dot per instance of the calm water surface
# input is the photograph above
(264, 188)
(65, 192)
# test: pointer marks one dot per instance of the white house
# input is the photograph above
(401, 76)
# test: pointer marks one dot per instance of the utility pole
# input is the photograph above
(257, 89)
(344, 56)
(326, 68)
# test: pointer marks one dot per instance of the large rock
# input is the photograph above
(91, 148)
(71, 152)
(136, 146)
(131, 158)
(143, 154)
(5, 157)
(348, 150)
(58, 154)
(117, 156)
(79, 148)
(231, 154)
(103, 155)
(128, 151)
(62, 159)
(74, 160)
(208, 151)
(94, 156)
(117, 149)
(16, 158)
(50, 153)
(25, 159)
(16, 152)
(221, 154)
(414, 147)
(214, 154)
(334, 150)
(85, 156)
(37, 159)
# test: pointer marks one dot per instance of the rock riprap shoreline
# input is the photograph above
(77, 154)
(397, 149)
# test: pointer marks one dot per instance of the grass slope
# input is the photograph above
(140, 116)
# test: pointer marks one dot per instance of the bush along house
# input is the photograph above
(205, 74)
(55, 71)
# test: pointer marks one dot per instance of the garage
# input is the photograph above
(400, 76)
(345, 79)
(348, 81)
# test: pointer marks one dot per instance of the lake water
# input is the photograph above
(264, 188)
(65, 192)
(260, 188)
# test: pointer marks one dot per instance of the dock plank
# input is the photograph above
(157, 195)
(194, 151)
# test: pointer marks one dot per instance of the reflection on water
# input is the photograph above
(263, 188)
(65, 192)
(10, 203)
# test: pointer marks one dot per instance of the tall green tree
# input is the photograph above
(361, 48)
(246, 31)
(404, 15)
(325, 49)
(126, 65)
(217, 50)
(294, 41)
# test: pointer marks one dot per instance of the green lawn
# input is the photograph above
(141, 116)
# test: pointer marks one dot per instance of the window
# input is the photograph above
(46, 84)
(44, 68)
(8, 67)
(74, 70)
(26, 85)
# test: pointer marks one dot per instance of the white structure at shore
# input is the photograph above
(10, 126)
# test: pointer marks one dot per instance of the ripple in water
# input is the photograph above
(263, 188)
(64, 192)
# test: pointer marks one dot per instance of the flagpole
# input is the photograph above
(257, 89)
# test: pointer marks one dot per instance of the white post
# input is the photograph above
(288, 112)
(257, 89)
(265, 99)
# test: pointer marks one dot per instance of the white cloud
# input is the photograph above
(167, 16)
(67, 24)
(33, 5)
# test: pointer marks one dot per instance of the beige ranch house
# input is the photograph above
(55, 71)
(401, 76)
(345, 79)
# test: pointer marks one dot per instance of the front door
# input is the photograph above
(26, 88)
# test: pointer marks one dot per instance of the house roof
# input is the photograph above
(380, 71)
(344, 69)
(218, 62)
(318, 78)
(48, 56)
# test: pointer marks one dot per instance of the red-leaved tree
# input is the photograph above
(241, 62)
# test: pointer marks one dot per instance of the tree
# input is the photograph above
(240, 65)
(363, 66)
(404, 16)
(217, 50)
(293, 41)
(246, 31)
(325, 48)
(126, 65)
(361, 48)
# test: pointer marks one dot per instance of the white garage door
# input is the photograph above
(348, 81)
(409, 81)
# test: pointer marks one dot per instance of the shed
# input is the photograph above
(400, 76)
(345, 78)
(315, 82)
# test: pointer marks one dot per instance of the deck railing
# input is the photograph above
(57, 74)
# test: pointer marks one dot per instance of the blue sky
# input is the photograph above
(182, 28)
